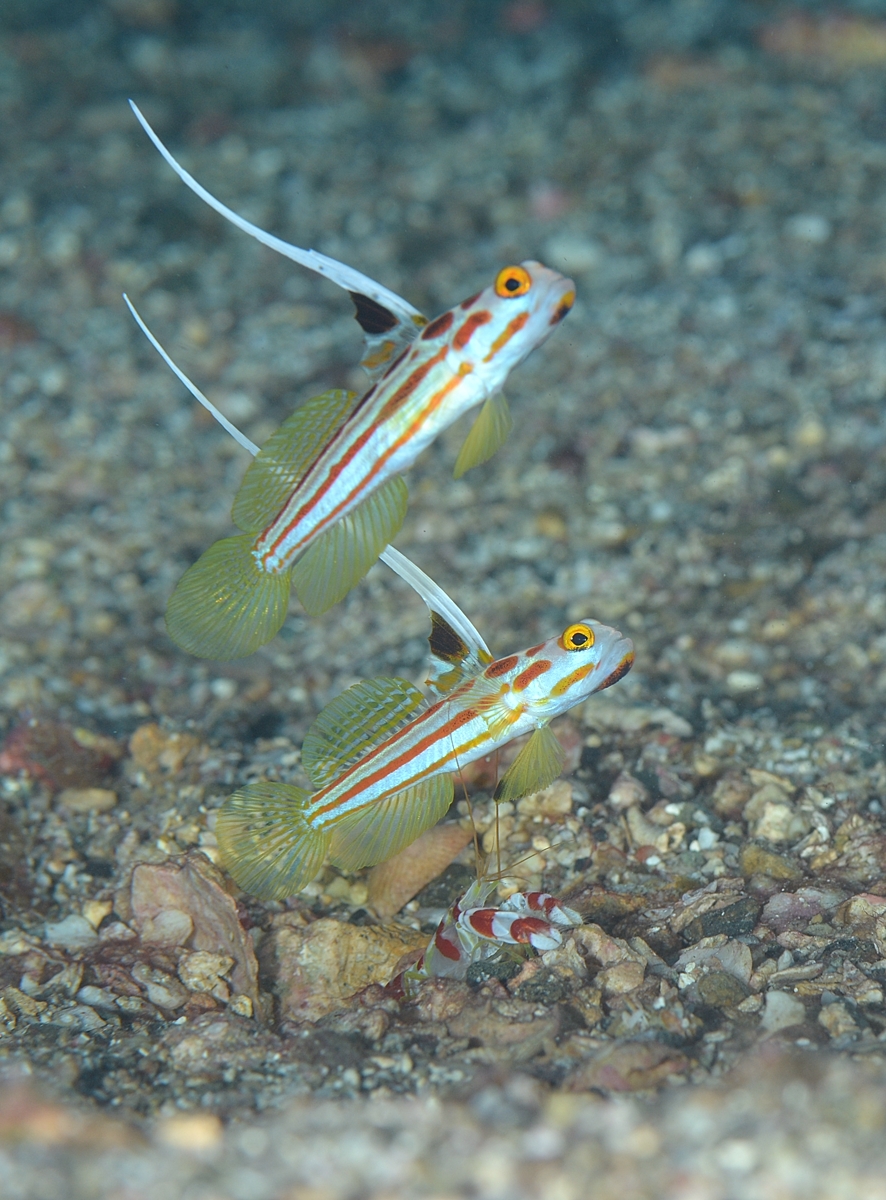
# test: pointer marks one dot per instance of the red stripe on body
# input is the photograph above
(526, 677)
(501, 667)
(507, 333)
(399, 397)
(388, 768)
(436, 327)
(470, 327)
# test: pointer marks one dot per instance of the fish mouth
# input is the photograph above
(623, 653)
(563, 307)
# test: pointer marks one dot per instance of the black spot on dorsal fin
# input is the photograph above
(373, 317)
(445, 643)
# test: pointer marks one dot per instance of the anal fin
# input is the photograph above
(342, 555)
(384, 827)
(285, 457)
(266, 842)
(536, 766)
(488, 434)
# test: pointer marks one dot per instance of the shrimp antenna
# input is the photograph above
(339, 273)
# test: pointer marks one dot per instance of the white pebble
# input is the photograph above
(743, 681)
(808, 227)
(73, 933)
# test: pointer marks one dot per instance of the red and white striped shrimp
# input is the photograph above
(472, 931)
(324, 495)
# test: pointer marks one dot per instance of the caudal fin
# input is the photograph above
(266, 842)
(224, 606)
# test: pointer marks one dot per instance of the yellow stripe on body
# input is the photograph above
(332, 803)
(370, 478)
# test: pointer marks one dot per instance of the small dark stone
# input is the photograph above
(544, 987)
(719, 989)
(448, 886)
(501, 969)
(734, 920)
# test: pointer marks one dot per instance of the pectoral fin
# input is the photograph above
(488, 434)
(536, 766)
(285, 457)
(225, 606)
(354, 722)
(384, 827)
(340, 558)
(266, 842)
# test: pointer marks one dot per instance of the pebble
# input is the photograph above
(781, 1011)
(87, 800)
(74, 933)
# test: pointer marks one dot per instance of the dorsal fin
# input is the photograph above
(354, 723)
(285, 457)
(409, 320)
(487, 435)
(457, 649)
(385, 334)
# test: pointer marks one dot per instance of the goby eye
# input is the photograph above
(577, 637)
(512, 281)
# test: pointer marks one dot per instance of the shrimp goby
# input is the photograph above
(325, 494)
(383, 760)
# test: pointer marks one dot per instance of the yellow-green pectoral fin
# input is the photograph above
(266, 842)
(225, 606)
(354, 722)
(488, 434)
(536, 766)
(341, 556)
(286, 456)
(384, 828)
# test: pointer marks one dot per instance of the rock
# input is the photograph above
(717, 954)
(602, 712)
(621, 978)
(537, 984)
(554, 801)
(773, 817)
(627, 792)
(838, 1021)
(628, 1067)
(858, 854)
(733, 920)
(87, 800)
(163, 990)
(156, 751)
(720, 989)
(203, 971)
(781, 1011)
(74, 933)
(58, 754)
(730, 795)
(195, 1133)
(182, 902)
(789, 910)
(315, 968)
(508, 1029)
(605, 949)
(393, 883)
(760, 860)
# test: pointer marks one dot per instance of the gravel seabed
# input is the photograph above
(698, 458)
